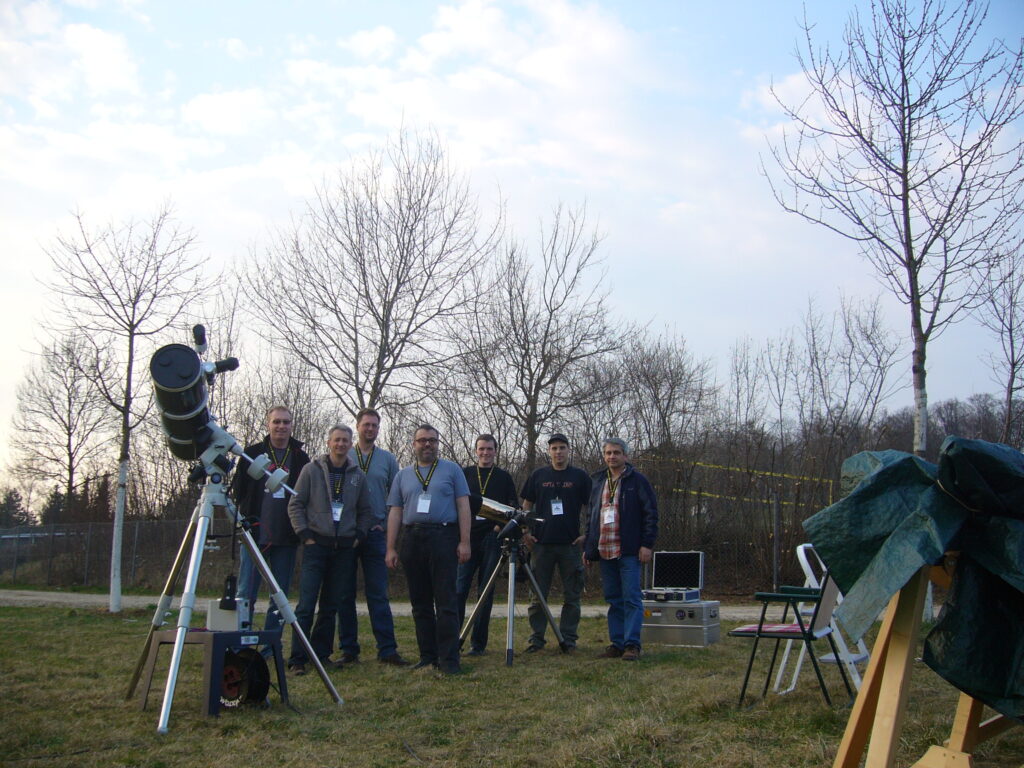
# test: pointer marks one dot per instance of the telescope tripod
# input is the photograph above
(512, 554)
(213, 497)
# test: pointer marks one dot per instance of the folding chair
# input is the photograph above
(819, 626)
(813, 569)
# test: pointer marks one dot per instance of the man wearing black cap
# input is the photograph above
(559, 494)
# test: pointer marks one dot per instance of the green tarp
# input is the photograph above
(901, 513)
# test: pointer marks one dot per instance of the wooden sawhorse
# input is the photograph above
(878, 712)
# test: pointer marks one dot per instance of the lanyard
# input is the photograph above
(613, 485)
(482, 484)
(430, 474)
(338, 480)
(272, 455)
(359, 457)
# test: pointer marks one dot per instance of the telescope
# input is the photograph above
(180, 385)
(514, 522)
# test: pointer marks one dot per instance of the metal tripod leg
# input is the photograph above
(279, 598)
(188, 600)
(544, 604)
(488, 589)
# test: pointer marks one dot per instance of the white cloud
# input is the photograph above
(103, 59)
(377, 43)
(232, 113)
(238, 49)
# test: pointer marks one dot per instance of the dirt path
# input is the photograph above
(23, 597)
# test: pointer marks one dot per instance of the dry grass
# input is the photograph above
(64, 673)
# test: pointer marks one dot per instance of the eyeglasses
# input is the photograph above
(425, 440)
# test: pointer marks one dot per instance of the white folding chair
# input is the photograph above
(814, 569)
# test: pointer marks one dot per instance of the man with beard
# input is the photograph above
(429, 504)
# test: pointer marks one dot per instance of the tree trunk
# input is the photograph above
(920, 395)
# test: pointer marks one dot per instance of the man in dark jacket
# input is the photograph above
(268, 512)
(331, 514)
(621, 529)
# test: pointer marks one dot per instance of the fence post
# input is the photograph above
(88, 549)
(135, 553)
(776, 540)
(14, 570)
(49, 559)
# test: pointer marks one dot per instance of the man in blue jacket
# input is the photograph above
(621, 529)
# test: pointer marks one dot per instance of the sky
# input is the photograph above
(654, 114)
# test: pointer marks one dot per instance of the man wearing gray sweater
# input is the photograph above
(331, 515)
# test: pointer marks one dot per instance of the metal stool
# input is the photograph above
(215, 645)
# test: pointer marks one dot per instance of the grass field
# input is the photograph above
(64, 672)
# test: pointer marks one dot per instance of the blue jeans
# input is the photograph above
(328, 575)
(569, 560)
(484, 553)
(375, 582)
(281, 560)
(621, 582)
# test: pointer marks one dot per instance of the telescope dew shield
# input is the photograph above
(179, 384)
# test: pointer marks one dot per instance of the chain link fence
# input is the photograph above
(738, 551)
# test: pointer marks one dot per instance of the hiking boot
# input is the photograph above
(632, 653)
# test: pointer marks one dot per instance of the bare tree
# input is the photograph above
(1003, 314)
(667, 390)
(534, 327)
(362, 288)
(117, 287)
(62, 419)
(903, 147)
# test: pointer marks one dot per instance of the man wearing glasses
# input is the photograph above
(429, 503)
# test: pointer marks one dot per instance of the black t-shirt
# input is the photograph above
(570, 486)
(497, 485)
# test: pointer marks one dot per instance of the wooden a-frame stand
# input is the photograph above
(877, 714)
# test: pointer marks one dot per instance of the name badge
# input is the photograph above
(423, 505)
(337, 508)
(279, 493)
(556, 507)
(608, 514)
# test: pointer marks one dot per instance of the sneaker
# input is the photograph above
(476, 652)
(632, 653)
(297, 669)
(393, 660)
(611, 652)
(533, 648)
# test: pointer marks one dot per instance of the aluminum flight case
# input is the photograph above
(674, 614)
(693, 624)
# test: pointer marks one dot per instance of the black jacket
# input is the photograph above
(248, 493)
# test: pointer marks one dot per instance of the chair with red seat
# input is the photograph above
(807, 630)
